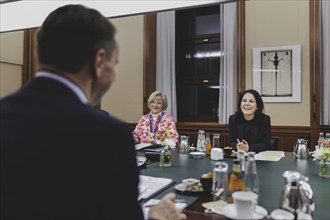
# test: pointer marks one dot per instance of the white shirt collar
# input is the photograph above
(75, 89)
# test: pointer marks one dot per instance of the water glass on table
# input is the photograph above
(220, 181)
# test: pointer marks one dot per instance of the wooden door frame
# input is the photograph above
(315, 68)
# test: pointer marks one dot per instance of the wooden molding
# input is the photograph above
(149, 58)
(240, 46)
(314, 49)
(26, 70)
(29, 55)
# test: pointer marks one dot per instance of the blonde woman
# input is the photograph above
(158, 126)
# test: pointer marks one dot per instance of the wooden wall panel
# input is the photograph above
(287, 135)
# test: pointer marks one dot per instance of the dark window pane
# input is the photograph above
(207, 59)
(198, 63)
(200, 100)
(207, 24)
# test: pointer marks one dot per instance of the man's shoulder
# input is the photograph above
(103, 116)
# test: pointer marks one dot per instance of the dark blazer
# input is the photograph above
(61, 159)
(256, 132)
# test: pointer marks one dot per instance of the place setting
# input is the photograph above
(196, 187)
(245, 206)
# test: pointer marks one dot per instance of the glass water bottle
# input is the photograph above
(320, 142)
(242, 161)
(220, 180)
(251, 181)
(201, 141)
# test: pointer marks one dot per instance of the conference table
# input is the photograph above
(270, 179)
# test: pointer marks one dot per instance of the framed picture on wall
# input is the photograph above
(277, 73)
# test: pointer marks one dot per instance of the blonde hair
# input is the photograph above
(159, 94)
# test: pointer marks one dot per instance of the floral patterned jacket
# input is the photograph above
(166, 129)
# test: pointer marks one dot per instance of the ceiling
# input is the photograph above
(22, 14)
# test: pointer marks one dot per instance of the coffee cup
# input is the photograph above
(245, 203)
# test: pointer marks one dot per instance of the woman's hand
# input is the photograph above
(153, 141)
(242, 145)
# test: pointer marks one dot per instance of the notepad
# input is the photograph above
(150, 186)
(269, 155)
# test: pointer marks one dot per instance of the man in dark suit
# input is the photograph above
(60, 157)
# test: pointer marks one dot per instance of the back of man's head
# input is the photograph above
(70, 36)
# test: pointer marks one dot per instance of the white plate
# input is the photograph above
(281, 214)
(230, 212)
(197, 154)
(190, 182)
(182, 189)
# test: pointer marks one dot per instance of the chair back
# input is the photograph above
(274, 143)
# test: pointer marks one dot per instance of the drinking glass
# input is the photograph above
(184, 145)
(220, 179)
(251, 181)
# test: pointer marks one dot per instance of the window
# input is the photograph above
(197, 63)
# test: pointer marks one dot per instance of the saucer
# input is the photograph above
(230, 212)
(281, 214)
(141, 161)
(197, 155)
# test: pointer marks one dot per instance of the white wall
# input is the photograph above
(125, 97)
(11, 61)
(274, 23)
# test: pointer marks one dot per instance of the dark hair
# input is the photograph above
(260, 103)
(71, 35)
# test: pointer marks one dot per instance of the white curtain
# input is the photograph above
(228, 75)
(325, 67)
(165, 59)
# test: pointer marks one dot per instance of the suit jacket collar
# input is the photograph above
(73, 87)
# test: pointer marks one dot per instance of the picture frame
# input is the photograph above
(277, 73)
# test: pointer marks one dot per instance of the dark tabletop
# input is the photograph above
(270, 179)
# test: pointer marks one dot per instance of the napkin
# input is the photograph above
(216, 154)
(216, 205)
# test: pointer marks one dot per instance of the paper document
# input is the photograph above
(269, 155)
(148, 147)
(142, 145)
(149, 186)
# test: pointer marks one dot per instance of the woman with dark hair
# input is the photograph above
(249, 127)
